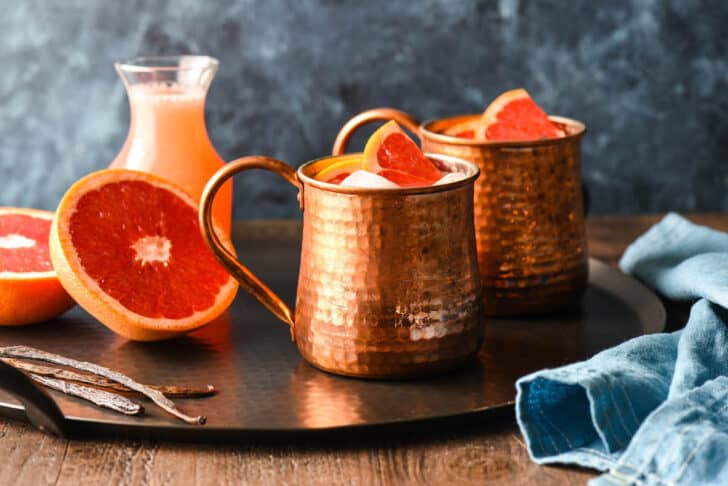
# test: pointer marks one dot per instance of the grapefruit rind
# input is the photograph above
(31, 297)
(89, 295)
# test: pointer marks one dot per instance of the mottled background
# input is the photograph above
(648, 77)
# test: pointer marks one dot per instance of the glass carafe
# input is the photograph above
(167, 134)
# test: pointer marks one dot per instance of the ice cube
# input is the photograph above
(362, 178)
(451, 177)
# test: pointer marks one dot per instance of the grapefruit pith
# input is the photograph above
(127, 246)
(29, 289)
(390, 152)
(514, 116)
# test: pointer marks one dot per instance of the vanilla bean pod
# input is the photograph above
(101, 398)
(25, 352)
(101, 382)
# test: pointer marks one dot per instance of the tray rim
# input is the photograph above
(652, 316)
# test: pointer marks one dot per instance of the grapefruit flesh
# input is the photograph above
(29, 289)
(466, 134)
(389, 152)
(404, 179)
(339, 178)
(514, 116)
(127, 246)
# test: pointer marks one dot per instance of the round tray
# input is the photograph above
(266, 389)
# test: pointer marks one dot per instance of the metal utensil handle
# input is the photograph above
(247, 279)
(41, 410)
(375, 114)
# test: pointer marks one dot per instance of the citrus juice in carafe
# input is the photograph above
(167, 134)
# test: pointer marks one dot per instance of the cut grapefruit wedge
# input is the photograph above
(466, 129)
(127, 246)
(514, 116)
(404, 179)
(338, 171)
(390, 151)
(29, 289)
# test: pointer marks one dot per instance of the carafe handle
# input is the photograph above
(375, 114)
(247, 279)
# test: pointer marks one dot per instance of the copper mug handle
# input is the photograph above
(375, 114)
(247, 279)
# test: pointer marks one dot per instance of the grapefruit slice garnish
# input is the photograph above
(339, 178)
(404, 179)
(338, 171)
(390, 151)
(29, 288)
(514, 116)
(127, 246)
(466, 129)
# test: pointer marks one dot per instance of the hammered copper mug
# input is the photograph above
(388, 284)
(529, 215)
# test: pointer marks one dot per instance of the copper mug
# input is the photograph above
(388, 285)
(529, 215)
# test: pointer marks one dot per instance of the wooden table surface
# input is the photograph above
(474, 452)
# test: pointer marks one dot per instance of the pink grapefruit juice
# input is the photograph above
(168, 137)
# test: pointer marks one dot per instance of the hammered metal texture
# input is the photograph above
(266, 388)
(389, 284)
(529, 217)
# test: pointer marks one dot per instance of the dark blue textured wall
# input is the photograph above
(649, 77)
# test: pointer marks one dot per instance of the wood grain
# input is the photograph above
(493, 454)
(476, 452)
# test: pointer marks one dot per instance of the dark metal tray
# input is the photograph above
(266, 389)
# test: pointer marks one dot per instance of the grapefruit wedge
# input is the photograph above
(466, 129)
(390, 153)
(514, 116)
(29, 289)
(127, 246)
(338, 171)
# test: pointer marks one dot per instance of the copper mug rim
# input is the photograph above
(298, 178)
(576, 130)
(444, 162)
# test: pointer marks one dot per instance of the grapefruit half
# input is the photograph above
(514, 116)
(127, 246)
(29, 289)
(389, 152)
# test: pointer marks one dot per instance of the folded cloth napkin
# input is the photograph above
(653, 410)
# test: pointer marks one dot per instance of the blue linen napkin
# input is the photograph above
(653, 410)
